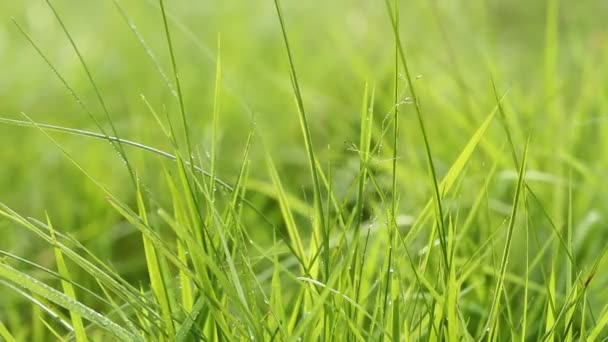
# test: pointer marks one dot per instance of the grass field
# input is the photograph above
(303, 170)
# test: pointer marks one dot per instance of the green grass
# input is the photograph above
(303, 170)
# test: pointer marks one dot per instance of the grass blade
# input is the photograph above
(492, 323)
(66, 302)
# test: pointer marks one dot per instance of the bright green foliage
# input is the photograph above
(274, 170)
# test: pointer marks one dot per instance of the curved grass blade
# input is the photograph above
(84, 133)
(39, 304)
(65, 301)
(101, 272)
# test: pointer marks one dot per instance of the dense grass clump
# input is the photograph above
(303, 170)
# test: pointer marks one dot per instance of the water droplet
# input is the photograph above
(406, 100)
